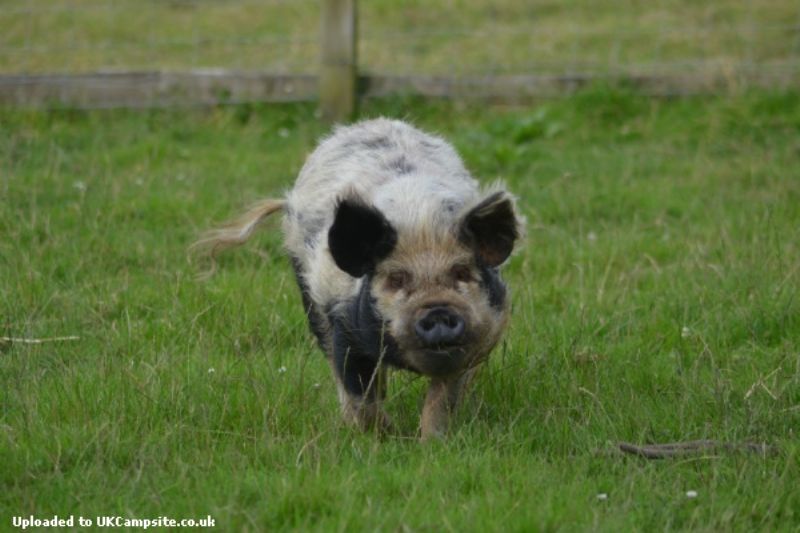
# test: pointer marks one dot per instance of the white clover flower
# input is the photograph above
(602, 496)
(211, 370)
(691, 494)
(282, 370)
(686, 332)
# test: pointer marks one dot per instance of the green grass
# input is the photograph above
(410, 37)
(655, 299)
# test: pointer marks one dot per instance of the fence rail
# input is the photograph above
(125, 53)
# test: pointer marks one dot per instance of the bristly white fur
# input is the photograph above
(415, 179)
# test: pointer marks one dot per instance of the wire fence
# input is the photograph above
(507, 45)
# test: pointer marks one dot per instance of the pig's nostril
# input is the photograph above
(440, 326)
(427, 324)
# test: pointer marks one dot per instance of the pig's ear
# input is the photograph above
(491, 228)
(360, 237)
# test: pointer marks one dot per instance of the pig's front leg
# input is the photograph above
(361, 386)
(441, 401)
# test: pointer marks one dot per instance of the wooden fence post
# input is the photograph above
(338, 76)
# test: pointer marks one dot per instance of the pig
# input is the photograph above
(396, 251)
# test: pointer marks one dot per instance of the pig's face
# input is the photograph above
(437, 291)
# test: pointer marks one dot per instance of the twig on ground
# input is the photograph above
(680, 449)
(21, 340)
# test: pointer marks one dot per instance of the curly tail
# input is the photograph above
(236, 232)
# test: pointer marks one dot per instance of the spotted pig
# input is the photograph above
(397, 253)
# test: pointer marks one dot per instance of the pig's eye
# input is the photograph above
(462, 273)
(398, 280)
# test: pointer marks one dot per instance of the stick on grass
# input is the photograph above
(21, 340)
(680, 449)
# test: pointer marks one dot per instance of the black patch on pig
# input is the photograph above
(317, 322)
(431, 145)
(494, 287)
(311, 230)
(360, 237)
(402, 165)
(360, 342)
(378, 143)
(451, 206)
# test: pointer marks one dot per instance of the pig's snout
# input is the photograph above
(440, 326)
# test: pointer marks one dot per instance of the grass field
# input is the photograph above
(655, 300)
(410, 37)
